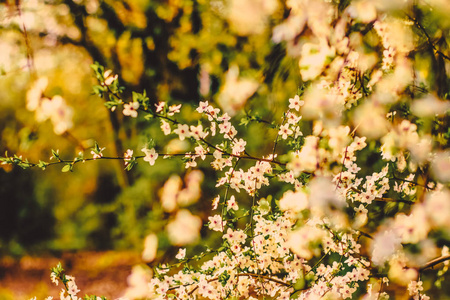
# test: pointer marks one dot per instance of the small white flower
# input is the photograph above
(295, 103)
(165, 127)
(203, 106)
(231, 204)
(173, 109)
(285, 131)
(54, 278)
(150, 155)
(216, 223)
(130, 109)
(197, 132)
(200, 151)
(97, 155)
(181, 253)
(182, 131)
(160, 106)
(109, 78)
(128, 156)
(215, 202)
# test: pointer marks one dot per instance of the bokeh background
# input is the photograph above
(95, 219)
(177, 51)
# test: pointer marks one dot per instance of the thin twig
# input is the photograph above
(278, 135)
(30, 58)
(412, 182)
(216, 148)
(343, 164)
(434, 262)
(430, 42)
(383, 199)
(268, 278)
(361, 233)
(226, 192)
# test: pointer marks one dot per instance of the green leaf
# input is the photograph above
(244, 121)
(96, 148)
(66, 168)
(42, 164)
(130, 165)
(98, 90)
(58, 269)
(150, 143)
(55, 154)
(223, 278)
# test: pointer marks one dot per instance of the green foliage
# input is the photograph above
(182, 52)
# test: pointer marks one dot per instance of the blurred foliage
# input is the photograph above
(178, 51)
(162, 47)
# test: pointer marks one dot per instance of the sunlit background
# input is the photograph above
(94, 220)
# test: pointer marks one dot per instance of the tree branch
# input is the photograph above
(276, 280)
(427, 36)
(383, 199)
(434, 262)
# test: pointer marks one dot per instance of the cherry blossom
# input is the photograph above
(150, 155)
(182, 131)
(295, 103)
(130, 109)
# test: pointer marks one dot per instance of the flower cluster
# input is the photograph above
(351, 194)
(54, 109)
